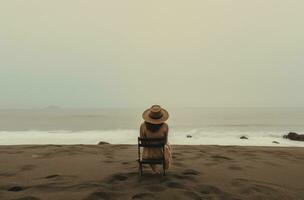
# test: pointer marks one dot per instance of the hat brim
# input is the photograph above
(147, 118)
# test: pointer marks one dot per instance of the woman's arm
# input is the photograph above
(141, 131)
(166, 134)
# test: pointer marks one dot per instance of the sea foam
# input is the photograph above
(195, 137)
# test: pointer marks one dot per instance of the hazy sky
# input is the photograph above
(133, 53)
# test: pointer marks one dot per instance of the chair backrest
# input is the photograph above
(151, 142)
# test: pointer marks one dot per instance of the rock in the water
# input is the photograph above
(275, 142)
(244, 138)
(189, 136)
(294, 136)
(102, 143)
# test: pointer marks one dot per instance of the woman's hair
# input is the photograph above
(153, 127)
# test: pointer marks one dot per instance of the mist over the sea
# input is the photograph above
(80, 54)
(220, 118)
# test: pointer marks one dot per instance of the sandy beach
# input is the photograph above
(96, 172)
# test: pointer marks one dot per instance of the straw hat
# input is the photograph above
(155, 115)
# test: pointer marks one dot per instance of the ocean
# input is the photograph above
(188, 126)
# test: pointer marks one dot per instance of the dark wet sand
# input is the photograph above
(83, 172)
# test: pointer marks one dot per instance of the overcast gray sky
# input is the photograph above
(134, 53)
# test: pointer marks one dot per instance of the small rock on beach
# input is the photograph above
(103, 143)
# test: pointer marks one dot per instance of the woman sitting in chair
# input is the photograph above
(154, 126)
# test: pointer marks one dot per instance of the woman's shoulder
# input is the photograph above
(165, 130)
(142, 125)
(165, 125)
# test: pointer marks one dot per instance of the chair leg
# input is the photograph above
(141, 170)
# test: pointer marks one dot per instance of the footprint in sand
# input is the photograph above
(109, 161)
(100, 195)
(37, 156)
(7, 173)
(156, 188)
(209, 189)
(28, 198)
(193, 195)
(27, 167)
(52, 176)
(219, 157)
(188, 176)
(15, 189)
(191, 172)
(233, 167)
(262, 189)
(211, 164)
(209, 192)
(179, 164)
(173, 184)
(143, 196)
(117, 178)
(120, 177)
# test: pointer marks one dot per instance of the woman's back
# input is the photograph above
(148, 130)
(153, 131)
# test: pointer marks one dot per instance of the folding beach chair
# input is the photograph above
(151, 143)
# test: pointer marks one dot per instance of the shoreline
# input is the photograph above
(135, 145)
(193, 137)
